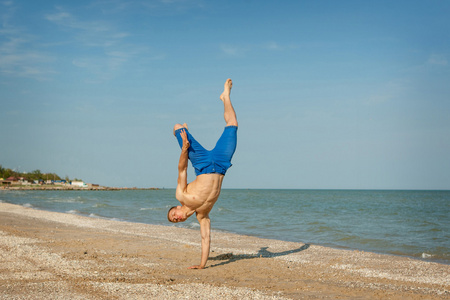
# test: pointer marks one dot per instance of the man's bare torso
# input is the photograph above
(202, 193)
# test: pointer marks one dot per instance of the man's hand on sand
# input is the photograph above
(196, 267)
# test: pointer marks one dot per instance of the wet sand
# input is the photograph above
(48, 255)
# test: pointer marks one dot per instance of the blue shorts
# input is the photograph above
(217, 160)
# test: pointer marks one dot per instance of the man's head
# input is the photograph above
(176, 214)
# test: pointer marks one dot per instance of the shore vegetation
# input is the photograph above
(32, 176)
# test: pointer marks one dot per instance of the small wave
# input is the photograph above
(193, 225)
(315, 223)
(97, 205)
(152, 208)
(223, 209)
(73, 212)
(92, 215)
(28, 205)
(117, 219)
(426, 255)
(323, 228)
(66, 200)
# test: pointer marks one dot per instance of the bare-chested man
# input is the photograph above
(210, 167)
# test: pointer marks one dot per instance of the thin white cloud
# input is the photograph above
(273, 46)
(11, 43)
(150, 7)
(233, 50)
(120, 35)
(240, 50)
(65, 19)
(436, 59)
(18, 54)
(171, 7)
(385, 93)
(114, 52)
(6, 13)
(116, 59)
(58, 17)
(111, 6)
(98, 46)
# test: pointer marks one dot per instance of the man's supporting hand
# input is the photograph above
(196, 267)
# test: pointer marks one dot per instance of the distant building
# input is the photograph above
(59, 182)
(78, 183)
(5, 182)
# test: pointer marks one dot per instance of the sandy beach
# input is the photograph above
(48, 255)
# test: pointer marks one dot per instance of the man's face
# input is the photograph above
(176, 215)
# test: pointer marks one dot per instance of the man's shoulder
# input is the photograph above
(179, 193)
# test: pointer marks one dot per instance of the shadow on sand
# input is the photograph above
(262, 253)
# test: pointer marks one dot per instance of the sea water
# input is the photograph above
(408, 223)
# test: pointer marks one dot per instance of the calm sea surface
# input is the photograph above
(410, 223)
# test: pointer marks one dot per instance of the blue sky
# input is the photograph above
(329, 94)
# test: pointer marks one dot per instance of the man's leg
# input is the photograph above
(229, 113)
(198, 155)
(226, 145)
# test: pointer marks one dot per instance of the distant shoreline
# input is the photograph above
(70, 188)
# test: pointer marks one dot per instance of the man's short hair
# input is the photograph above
(168, 218)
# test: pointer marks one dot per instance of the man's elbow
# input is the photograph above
(206, 237)
(182, 166)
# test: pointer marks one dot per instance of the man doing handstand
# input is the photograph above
(210, 167)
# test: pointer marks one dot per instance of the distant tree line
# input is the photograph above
(31, 176)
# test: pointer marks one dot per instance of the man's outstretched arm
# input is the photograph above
(205, 231)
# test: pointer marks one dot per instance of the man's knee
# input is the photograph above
(232, 123)
(178, 126)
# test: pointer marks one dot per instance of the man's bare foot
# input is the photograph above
(226, 90)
